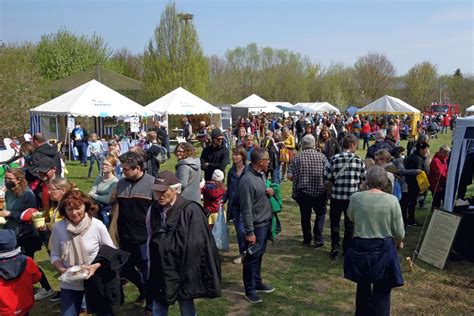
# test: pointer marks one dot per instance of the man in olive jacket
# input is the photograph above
(184, 261)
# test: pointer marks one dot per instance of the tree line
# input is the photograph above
(174, 57)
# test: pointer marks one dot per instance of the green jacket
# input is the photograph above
(276, 204)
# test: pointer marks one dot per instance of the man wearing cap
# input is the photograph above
(46, 171)
(134, 197)
(215, 156)
(43, 149)
(184, 261)
(18, 273)
(256, 212)
(307, 173)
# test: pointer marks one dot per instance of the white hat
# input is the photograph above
(218, 175)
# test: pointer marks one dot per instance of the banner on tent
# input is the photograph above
(71, 123)
(439, 238)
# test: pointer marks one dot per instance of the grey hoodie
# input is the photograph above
(188, 173)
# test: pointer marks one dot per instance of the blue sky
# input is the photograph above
(408, 32)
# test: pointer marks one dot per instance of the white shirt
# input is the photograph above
(96, 236)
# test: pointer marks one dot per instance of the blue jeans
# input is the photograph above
(97, 159)
(82, 150)
(186, 307)
(253, 263)
(307, 204)
(71, 302)
(276, 175)
(240, 232)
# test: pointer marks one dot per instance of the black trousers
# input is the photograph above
(337, 208)
(307, 205)
(412, 200)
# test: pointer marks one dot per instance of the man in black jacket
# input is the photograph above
(215, 156)
(43, 149)
(184, 261)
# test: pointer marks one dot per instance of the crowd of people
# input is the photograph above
(154, 228)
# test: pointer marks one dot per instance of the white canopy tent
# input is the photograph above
(388, 104)
(470, 110)
(92, 99)
(256, 104)
(463, 146)
(394, 106)
(321, 107)
(182, 102)
(316, 107)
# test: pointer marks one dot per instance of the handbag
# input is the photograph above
(284, 155)
(423, 182)
(220, 231)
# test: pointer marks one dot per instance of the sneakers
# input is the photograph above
(253, 298)
(56, 297)
(265, 288)
(238, 260)
(43, 293)
(318, 244)
(461, 202)
(334, 252)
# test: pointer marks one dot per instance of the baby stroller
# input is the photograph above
(433, 129)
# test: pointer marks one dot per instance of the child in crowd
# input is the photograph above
(213, 192)
(18, 273)
(96, 150)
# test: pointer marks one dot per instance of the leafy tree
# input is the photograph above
(421, 84)
(174, 57)
(126, 63)
(373, 75)
(64, 53)
(21, 88)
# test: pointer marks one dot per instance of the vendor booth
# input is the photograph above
(95, 105)
(388, 105)
(181, 103)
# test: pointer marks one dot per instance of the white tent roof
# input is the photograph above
(304, 106)
(321, 107)
(256, 104)
(286, 104)
(316, 107)
(92, 99)
(387, 104)
(181, 102)
(470, 109)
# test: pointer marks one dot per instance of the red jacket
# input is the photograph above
(438, 173)
(17, 296)
(212, 195)
(446, 121)
(366, 128)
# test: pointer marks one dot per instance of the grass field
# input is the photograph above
(307, 282)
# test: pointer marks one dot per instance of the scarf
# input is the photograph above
(74, 252)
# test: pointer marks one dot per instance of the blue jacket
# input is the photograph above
(231, 195)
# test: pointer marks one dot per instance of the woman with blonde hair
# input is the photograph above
(19, 198)
(103, 188)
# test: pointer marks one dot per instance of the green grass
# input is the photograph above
(307, 282)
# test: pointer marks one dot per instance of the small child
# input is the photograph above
(213, 192)
(96, 150)
(18, 273)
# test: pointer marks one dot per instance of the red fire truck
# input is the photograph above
(436, 109)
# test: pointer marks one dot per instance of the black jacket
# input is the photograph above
(217, 158)
(104, 289)
(414, 161)
(184, 261)
(45, 150)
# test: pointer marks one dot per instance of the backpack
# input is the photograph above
(161, 157)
